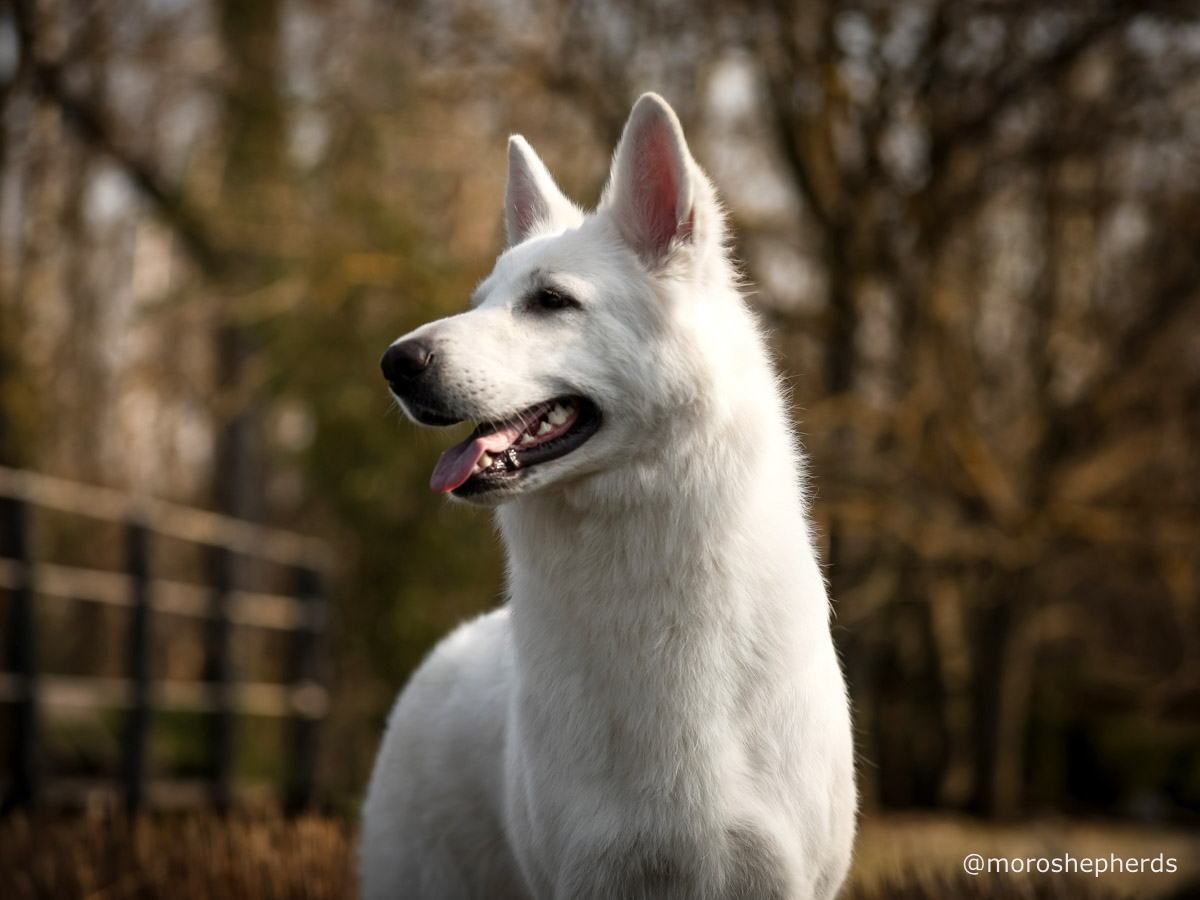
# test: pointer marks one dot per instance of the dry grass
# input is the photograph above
(103, 857)
(897, 852)
(100, 857)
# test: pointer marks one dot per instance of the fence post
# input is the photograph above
(218, 675)
(26, 749)
(305, 675)
(138, 720)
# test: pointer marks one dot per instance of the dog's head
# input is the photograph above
(579, 346)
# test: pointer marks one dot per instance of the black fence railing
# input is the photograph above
(34, 694)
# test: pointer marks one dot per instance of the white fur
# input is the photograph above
(658, 711)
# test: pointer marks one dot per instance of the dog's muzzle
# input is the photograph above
(408, 367)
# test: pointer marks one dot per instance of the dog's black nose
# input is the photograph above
(407, 359)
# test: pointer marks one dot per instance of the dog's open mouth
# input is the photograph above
(497, 451)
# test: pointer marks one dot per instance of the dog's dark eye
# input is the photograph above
(551, 299)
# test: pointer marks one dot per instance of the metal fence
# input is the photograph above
(36, 695)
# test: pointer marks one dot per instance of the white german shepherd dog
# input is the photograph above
(658, 710)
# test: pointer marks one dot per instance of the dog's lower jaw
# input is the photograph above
(490, 499)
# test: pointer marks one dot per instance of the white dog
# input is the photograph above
(658, 711)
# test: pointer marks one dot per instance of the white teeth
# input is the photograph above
(485, 461)
(527, 439)
(544, 428)
(558, 415)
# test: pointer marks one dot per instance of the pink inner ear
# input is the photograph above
(659, 181)
(525, 206)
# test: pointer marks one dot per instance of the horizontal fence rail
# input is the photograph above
(176, 598)
(197, 526)
(307, 699)
(144, 598)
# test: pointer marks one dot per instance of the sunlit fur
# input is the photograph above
(657, 711)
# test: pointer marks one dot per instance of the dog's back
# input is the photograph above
(659, 710)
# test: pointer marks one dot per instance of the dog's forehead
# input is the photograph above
(568, 258)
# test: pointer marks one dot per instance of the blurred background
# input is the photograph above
(972, 228)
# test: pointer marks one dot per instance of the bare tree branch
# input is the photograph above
(48, 80)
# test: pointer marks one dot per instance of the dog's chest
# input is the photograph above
(733, 863)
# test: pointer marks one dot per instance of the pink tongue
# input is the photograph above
(456, 464)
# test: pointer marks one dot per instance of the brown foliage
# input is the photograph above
(263, 857)
(100, 857)
(927, 886)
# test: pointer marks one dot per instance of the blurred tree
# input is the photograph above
(971, 228)
(254, 122)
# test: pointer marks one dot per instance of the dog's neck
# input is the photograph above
(641, 627)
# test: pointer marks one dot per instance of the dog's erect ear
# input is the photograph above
(532, 201)
(652, 186)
